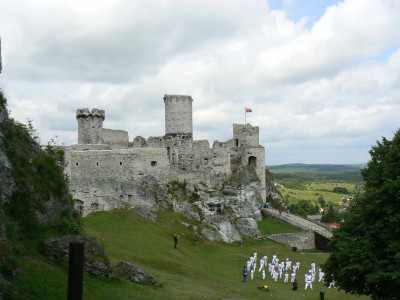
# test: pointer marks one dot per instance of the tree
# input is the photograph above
(304, 208)
(365, 250)
(340, 190)
(330, 216)
(321, 201)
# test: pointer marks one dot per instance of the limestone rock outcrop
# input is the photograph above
(134, 273)
(96, 261)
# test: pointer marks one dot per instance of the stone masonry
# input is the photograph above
(105, 168)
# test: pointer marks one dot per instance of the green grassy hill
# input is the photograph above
(197, 269)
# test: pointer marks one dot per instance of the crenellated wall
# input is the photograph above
(90, 123)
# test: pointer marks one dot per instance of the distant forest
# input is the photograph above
(317, 172)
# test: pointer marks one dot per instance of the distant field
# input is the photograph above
(315, 168)
(309, 182)
(312, 191)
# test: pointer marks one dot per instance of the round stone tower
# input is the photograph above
(90, 124)
(178, 116)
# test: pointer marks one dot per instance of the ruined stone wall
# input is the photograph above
(102, 179)
(301, 240)
(90, 123)
(139, 142)
(256, 157)
(221, 162)
(156, 142)
(123, 164)
(202, 154)
(191, 175)
(115, 138)
(178, 114)
(245, 135)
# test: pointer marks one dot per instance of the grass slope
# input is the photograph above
(197, 269)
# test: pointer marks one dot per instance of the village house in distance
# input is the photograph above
(106, 169)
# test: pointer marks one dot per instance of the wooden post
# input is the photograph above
(75, 271)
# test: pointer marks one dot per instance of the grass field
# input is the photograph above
(197, 269)
(312, 191)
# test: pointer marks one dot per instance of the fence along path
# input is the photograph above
(298, 221)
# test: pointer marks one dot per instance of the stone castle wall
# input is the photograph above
(114, 138)
(104, 166)
(103, 179)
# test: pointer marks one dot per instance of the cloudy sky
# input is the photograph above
(321, 76)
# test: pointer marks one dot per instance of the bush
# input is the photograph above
(340, 190)
(304, 208)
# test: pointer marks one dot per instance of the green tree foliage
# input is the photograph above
(321, 201)
(365, 251)
(304, 208)
(41, 198)
(330, 216)
(340, 190)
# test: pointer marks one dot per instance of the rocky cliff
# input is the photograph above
(221, 214)
(33, 191)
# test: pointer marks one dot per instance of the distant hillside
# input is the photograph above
(316, 173)
(315, 168)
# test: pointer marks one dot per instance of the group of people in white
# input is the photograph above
(283, 269)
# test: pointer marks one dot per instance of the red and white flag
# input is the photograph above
(246, 109)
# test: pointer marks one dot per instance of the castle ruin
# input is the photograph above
(105, 168)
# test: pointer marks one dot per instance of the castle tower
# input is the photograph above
(90, 124)
(246, 135)
(178, 116)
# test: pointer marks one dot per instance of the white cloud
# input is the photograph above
(317, 90)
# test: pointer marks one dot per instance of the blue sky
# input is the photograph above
(322, 77)
(298, 9)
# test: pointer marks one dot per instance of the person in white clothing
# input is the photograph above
(248, 264)
(293, 277)
(273, 259)
(275, 275)
(308, 281)
(332, 284)
(286, 278)
(252, 274)
(262, 263)
(276, 261)
(321, 275)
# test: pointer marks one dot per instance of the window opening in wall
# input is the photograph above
(153, 163)
(169, 153)
(253, 161)
(77, 164)
(236, 143)
(97, 163)
(206, 161)
(120, 163)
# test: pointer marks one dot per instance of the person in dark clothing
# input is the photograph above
(244, 274)
(176, 238)
(295, 286)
